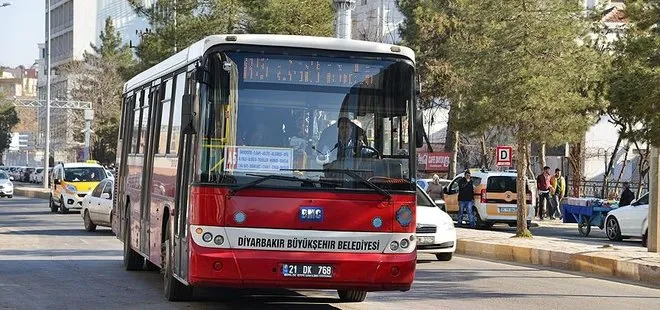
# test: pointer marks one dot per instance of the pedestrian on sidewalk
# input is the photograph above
(627, 196)
(544, 187)
(466, 198)
(435, 188)
(558, 184)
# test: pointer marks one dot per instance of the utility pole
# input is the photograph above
(48, 72)
(653, 242)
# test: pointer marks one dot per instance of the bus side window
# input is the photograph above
(166, 119)
(175, 128)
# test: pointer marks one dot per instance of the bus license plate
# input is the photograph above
(307, 270)
(507, 210)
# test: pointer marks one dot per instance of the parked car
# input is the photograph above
(629, 221)
(6, 186)
(97, 206)
(435, 229)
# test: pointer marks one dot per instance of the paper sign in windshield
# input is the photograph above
(258, 159)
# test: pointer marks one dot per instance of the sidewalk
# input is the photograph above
(31, 190)
(623, 260)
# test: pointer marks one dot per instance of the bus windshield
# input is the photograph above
(305, 116)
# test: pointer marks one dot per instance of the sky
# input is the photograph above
(21, 29)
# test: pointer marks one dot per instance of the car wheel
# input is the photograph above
(63, 209)
(444, 257)
(89, 225)
(645, 239)
(352, 295)
(612, 229)
(174, 289)
(53, 206)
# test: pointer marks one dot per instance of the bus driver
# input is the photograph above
(350, 139)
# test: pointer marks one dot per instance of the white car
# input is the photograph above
(97, 206)
(435, 229)
(6, 186)
(629, 221)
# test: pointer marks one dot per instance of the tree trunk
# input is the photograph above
(521, 189)
(484, 151)
(610, 164)
(643, 167)
(576, 168)
(452, 138)
(625, 163)
(542, 161)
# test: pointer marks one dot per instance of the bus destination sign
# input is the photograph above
(311, 72)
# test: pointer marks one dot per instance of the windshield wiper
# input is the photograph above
(352, 174)
(264, 178)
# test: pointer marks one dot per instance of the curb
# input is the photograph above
(582, 262)
(31, 193)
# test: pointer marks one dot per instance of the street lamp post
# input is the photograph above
(48, 69)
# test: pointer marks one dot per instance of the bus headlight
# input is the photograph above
(219, 240)
(394, 245)
(404, 243)
(207, 237)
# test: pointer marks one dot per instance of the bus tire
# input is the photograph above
(173, 288)
(352, 295)
(133, 261)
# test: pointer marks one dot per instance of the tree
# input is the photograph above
(99, 78)
(634, 84)
(294, 17)
(525, 68)
(427, 29)
(8, 119)
(176, 24)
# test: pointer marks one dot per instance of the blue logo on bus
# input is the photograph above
(314, 214)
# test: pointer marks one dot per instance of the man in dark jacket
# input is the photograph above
(465, 198)
(627, 196)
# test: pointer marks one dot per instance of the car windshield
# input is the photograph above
(303, 116)
(3, 175)
(644, 200)
(423, 200)
(502, 184)
(83, 174)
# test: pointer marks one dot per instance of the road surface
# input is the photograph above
(47, 261)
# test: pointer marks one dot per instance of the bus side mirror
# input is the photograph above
(187, 115)
(419, 129)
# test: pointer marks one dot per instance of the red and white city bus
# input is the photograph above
(261, 161)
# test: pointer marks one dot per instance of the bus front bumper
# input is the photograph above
(263, 269)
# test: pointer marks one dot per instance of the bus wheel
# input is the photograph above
(132, 260)
(174, 289)
(352, 295)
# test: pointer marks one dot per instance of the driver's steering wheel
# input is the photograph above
(373, 154)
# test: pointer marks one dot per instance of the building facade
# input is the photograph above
(21, 83)
(75, 26)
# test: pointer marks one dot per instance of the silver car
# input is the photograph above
(6, 186)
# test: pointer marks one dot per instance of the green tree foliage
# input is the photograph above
(99, 79)
(634, 84)
(294, 17)
(8, 119)
(176, 24)
(526, 66)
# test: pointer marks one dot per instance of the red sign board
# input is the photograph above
(437, 161)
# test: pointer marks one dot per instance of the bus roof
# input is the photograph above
(197, 49)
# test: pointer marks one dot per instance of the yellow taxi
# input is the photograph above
(71, 182)
(495, 197)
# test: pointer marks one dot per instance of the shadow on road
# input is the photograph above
(59, 232)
